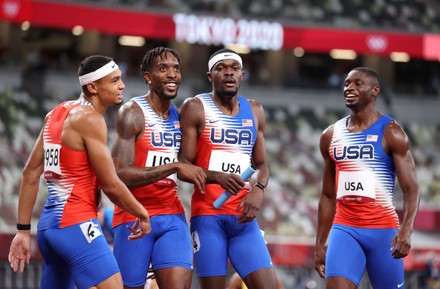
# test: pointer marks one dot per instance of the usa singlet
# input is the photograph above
(225, 145)
(365, 177)
(159, 145)
(72, 184)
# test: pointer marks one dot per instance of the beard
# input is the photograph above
(169, 96)
(228, 92)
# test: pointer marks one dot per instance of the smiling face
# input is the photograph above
(360, 89)
(164, 76)
(226, 76)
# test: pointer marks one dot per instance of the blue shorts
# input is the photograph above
(77, 254)
(215, 238)
(352, 250)
(167, 245)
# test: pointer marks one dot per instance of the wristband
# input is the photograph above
(23, 227)
(261, 186)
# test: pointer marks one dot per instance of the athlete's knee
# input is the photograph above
(113, 282)
(337, 282)
(261, 279)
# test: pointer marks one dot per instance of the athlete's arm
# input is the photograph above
(252, 202)
(397, 144)
(20, 250)
(129, 128)
(192, 124)
(327, 202)
(92, 128)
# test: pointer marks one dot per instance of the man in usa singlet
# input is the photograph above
(362, 154)
(223, 133)
(72, 152)
(145, 155)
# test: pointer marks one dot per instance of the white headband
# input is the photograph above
(98, 74)
(223, 56)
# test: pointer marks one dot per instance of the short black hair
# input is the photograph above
(370, 72)
(150, 56)
(92, 63)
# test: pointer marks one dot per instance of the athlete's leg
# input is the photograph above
(210, 251)
(261, 279)
(345, 259)
(384, 271)
(249, 254)
(336, 282)
(56, 273)
(174, 278)
(213, 282)
(133, 256)
(172, 257)
(113, 282)
(85, 253)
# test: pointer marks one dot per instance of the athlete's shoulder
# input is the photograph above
(132, 103)
(254, 102)
(85, 117)
(329, 130)
(395, 135)
(194, 102)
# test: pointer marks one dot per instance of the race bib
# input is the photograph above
(356, 186)
(90, 231)
(155, 158)
(226, 162)
(195, 241)
(52, 168)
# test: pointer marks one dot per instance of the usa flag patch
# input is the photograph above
(246, 122)
(372, 137)
(176, 124)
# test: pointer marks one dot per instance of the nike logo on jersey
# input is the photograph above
(151, 124)
(213, 120)
(400, 285)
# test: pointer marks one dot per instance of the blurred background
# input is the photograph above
(296, 54)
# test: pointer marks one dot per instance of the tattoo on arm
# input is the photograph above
(147, 177)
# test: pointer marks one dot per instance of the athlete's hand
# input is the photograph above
(320, 262)
(401, 244)
(20, 251)
(251, 204)
(192, 174)
(140, 228)
(230, 182)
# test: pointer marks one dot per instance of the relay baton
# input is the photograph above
(226, 195)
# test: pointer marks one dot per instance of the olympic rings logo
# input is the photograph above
(377, 43)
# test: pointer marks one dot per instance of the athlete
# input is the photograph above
(223, 133)
(72, 152)
(145, 155)
(362, 154)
